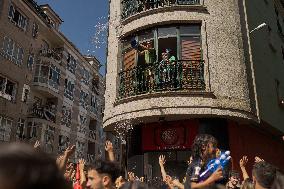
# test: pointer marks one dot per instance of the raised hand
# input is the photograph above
(82, 163)
(131, 176)
(258, 159)
(37, 144)
(243, 161)
(108, 146)
(162, 160)
(69, 151)
(189, 161)
(168, 179)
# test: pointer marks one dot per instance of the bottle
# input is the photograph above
(205, 174)
(77, 183)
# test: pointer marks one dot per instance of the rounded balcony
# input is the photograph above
(177, 62)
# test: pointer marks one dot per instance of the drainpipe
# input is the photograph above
(251, 61)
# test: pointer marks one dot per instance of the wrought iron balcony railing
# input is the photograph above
(92, 134)
(47, 111)
(131, 7)
(55, 54)
(182, 75)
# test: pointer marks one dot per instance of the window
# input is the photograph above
(82, 127)
(5, 128)
(128, 54)
(163, 58)
(16, 17)
(35, 30)
(69, 89)
(54, 76)
(63, 143)
(7, 89)
(25, 95)
(94, 104)
(84, 99)
(85, 76)
(20, 133)
(95, 86)
(30, 62)
(12, 51)
(32, 130)
(47, 73)
(80, 149)
(71, 63)
(183, 42)
(49, 138)
(66, 116)
(82, 120)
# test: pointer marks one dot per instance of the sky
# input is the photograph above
(80, 18)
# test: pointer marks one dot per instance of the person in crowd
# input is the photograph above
(203, 149)
(263, 175)
(83, 179)
(23, 167)
(119, 182)
(102, 175)
(234, 180)
(135, 185)
(247, 182)
(278, 183)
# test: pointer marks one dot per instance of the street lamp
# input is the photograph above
(258, 27)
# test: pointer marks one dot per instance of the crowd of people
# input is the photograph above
(26, 167)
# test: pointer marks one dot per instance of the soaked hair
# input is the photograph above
(247, 184)
(21, 166)
(279, 181)
(135, 185)
(264, 173)
(106, 167)
(199, 142)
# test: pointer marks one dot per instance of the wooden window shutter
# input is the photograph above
(129, 59)
(190, 48)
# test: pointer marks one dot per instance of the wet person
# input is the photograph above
(203, 149)
(102, 175)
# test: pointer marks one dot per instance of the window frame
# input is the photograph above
(156, 40)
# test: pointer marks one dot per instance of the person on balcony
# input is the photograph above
(167, 69)
(146, 76)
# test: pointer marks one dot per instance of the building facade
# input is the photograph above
(49, 91)
(183, 67)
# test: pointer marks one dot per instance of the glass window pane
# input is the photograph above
(191, 29)
(5, 44)
(167, 32)
(146, 35)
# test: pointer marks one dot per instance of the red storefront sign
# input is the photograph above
(177, 135)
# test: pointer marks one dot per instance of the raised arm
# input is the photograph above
(243, 163)
(217, 175)
(109, 149)
(83, 179)
(68, 152)
(162, 161)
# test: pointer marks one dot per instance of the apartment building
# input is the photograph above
(49, 91)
